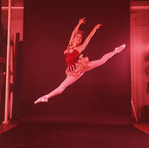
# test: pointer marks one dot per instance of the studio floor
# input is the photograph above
(66, 135)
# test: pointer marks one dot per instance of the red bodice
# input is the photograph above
(71, 58)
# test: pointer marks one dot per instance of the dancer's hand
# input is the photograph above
(82, 21)
(97, 26)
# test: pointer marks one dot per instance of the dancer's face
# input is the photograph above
(78, 39)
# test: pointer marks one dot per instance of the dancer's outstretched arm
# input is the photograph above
(81, 21)
(83, 46)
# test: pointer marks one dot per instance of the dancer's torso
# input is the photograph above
(71, 55)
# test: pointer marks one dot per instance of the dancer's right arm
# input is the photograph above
(83, 46)
(81, 21)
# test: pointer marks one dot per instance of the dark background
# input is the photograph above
(101, 96)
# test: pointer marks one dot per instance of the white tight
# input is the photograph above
(70, 79)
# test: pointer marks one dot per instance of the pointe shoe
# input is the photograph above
(120, 48)
(42, 99)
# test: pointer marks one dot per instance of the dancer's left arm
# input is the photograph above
(83, 46)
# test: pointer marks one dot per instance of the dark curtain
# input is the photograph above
(99, 96)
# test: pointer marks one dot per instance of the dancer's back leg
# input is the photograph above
(68, 81)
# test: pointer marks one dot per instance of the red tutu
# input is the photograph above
(77, 68)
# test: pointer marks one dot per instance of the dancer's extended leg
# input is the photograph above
(96, 63)
(68, 81)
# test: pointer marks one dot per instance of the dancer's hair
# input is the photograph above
(81, 32)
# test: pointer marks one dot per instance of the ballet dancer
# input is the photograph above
(76, 63)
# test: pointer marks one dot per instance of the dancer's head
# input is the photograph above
(78, 37)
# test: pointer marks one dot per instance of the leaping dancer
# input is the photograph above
(76, 64)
